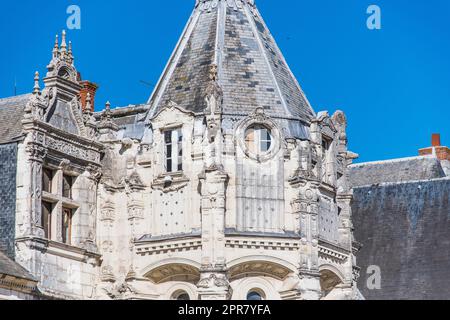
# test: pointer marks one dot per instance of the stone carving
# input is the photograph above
(213, 280)
(132, 183)
(108, 213)
(135, 210)
(36, 152)
(208, 5)
(120, 291)
(72, 150)
(37, 104)
(169, 184)
(64, 165)
(214, 99)
(108, 246)
(107, 274)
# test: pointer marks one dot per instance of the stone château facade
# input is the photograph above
(225, 185)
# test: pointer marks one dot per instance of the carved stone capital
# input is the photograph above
(36, 152)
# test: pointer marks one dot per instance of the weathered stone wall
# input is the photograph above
(404, 229)
(8, 169)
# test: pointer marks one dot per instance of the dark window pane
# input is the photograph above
(254, 296)
(169, 151)
(183, 297)
(67, 186)
(169, 165)
(67, 226)
(47, 219)
(267, 135)
(47, 178)
(168, 136)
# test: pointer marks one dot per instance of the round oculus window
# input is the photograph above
(258, 139)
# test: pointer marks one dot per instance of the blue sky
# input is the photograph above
(393, 83)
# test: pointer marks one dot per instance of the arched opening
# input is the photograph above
(259, 268)
(329, 281)
(181, 295)
(174, 272)
(256, 295)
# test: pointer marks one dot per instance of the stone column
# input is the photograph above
(36, 154)
(309, 284)
(92, 180)
(213, 284)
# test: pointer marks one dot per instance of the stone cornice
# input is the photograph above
(18, 284)
(61, 250)
(211, 4)
(58, 133)
(333, 252)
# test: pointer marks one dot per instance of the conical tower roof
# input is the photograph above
(252, 71)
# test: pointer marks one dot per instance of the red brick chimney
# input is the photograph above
(88, 87)
(441, 152)
(436, 140)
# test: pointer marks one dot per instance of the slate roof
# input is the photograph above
(251, 68)
(12, 268)
(130, 120)
(399, 170)
(11, 114)
(404, 230)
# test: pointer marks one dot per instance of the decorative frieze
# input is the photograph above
(135, 210)
(72, 149)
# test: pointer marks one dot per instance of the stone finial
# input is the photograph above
(70, 53)
(36, 88)
(63, 42)
(56, 47)
(107, 113)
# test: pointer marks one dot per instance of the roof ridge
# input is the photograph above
(17, 97)
(415, 181)
(398, 160)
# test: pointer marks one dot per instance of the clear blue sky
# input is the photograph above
(393, 84)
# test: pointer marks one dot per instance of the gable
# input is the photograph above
(61, 116)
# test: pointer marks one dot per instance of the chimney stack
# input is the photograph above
(436, 149)
(436, 140)
(91, 88)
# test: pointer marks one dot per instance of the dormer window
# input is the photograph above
(258, 139)
(173, 140)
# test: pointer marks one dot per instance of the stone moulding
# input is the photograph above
(333, 252)
(275, 245)
(162, 244)
(170, 182)
(61, 250)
